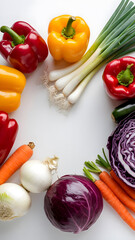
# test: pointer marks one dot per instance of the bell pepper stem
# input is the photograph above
(125, 77)
(69, 31)
(17, 39)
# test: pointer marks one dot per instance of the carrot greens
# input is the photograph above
(112, 192)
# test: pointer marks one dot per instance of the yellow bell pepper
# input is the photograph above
(12, 83)
(68, 38)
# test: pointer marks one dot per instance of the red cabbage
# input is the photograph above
(73, 203)
(121, 146)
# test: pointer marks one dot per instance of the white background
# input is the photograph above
(74, 137)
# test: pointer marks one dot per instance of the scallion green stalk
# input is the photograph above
(75, 95)
(116, 38)
(56, 74)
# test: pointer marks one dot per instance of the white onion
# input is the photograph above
(36, 176)
(14, 201)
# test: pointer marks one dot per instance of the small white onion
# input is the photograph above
(36, 176)
(14, 201)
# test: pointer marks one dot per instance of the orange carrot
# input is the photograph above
(111, 198)
(15, 161)
(103, 162)
(117, 190)
(113, 185)
(130, 191)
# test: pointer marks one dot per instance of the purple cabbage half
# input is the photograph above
(73, 203)
(121, 146)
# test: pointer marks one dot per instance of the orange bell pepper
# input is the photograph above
(12, 83)
(68, 38)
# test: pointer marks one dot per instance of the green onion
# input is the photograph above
(116, 39)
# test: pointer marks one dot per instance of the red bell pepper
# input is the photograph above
(119, 78)
(23, 47)
(8, 132)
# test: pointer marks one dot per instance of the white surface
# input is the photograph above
(74, 137)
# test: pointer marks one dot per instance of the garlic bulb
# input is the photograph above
(14, 201)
